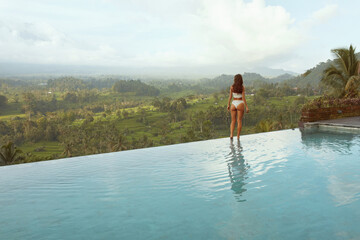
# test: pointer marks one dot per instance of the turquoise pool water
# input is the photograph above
(277, 185)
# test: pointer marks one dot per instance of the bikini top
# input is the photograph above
(237, 95)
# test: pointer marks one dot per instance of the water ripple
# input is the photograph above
(213, 189)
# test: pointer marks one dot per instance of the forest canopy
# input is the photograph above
(136, 86)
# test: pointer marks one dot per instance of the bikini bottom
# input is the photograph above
(237, 102)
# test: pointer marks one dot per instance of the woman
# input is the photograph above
(237, 90)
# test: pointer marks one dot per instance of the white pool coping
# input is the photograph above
(349, 125)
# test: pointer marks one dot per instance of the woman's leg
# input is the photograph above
(233, 120)
(240, 110)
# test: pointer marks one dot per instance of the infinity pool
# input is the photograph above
(277, 185)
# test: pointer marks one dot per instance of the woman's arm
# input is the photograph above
(230, 97)
(243, 97)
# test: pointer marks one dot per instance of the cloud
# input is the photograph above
(42, 43)
(158, 33)
(215, 32)
(321, 16)
(238, 32)
(31, 33)
(325, 13)
(343, 191)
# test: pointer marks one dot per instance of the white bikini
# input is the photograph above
(237, 102)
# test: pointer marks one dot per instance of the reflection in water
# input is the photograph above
(328, 141)
(345, 190)
(342, 181)
(238, 170)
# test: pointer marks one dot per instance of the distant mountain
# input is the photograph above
(312, 76)
(27, 69)
(271, 73)
(21, 69)
(281, 78)
(250, 79)
(254, 78)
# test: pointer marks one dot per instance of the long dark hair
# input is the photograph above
(238, 84)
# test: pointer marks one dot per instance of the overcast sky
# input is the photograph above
(215, 34)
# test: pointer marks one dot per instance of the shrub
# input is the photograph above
(327, 101)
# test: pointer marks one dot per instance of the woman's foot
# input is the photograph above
(231, 138)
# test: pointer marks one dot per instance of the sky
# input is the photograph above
(218, 36)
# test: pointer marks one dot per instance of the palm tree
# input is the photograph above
(117, 143)
(263, 126)
(352, 86)
(343, 76)
(68, 148)
(9, 153)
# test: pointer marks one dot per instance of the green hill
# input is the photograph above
(250, 79)
(311, 76)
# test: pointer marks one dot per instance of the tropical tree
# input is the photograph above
(263, 126)
(68, 149)
(343, 77)
(198, 119)
(9, 153)
(208, 131)
(352, 87)
(3, 100)
(118, 143)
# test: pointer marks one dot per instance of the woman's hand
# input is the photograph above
(228, 108)
(247, 109)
